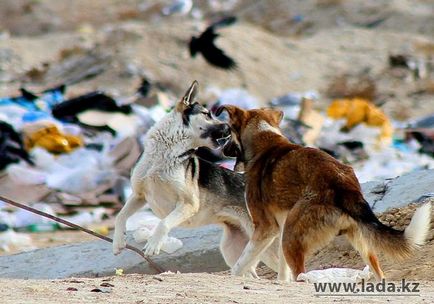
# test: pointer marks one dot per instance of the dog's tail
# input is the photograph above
(393, 243)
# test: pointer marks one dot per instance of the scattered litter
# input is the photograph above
(86, 218)
(124, 125)
(103, 230)
(97, 100)
(291, 102)
(178, 7)
(417, 65)
(423, 123)
(11, 240)
(336, 275)
(119, 271)
(49, 137)
(356, 111)
(22, 218)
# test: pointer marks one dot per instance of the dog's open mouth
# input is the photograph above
(223, 141)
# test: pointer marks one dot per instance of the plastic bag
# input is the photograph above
(170, 244)
(338, 275)
(24, 175)
(143, 224)
(12, 240)
(62, 172)
(86, 218)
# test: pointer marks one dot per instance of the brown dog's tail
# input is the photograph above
(393, 243)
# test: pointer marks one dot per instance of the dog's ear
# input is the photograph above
(275, 116)
(188, 97)
(233, 111)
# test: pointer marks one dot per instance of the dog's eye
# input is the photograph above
(207, 113)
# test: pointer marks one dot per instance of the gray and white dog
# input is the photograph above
(185, 190)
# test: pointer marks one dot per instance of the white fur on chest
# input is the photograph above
(159, 176)
(161, 188)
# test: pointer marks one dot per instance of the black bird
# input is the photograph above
(205, 44)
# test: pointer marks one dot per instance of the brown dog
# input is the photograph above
(309, 197)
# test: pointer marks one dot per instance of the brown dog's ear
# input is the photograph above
(232, 110)
(188, 97)
(275, 116)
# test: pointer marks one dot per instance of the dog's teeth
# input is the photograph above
(224, 140)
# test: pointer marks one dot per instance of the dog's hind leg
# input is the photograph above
(283, 273)
(133, 204)
(284, 270)
(261, 239)
(270, 256)
(355, 237)
(264, 232)
(251, 254)
(308, 227)
(232, 243)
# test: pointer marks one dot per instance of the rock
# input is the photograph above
(400, 191)
(200, 253)
(372, 191)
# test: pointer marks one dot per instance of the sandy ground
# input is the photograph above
(221, 287)
(183, 288)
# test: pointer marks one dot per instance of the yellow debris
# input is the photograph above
(104, 230)
(119, 271)
(357, 111)
(50, 138)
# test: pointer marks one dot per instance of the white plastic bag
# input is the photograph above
(338, 275)
(22, 174)
(12, 240)
(79, 171)
(170, 244)
(143, 224)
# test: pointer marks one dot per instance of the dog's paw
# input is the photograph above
(119, 244)
(236, 271)
(153, 246)
(252, 273)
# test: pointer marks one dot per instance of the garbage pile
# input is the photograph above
(72, 157)
(357, 132)
(69, 157)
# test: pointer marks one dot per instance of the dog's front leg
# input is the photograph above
(134, 203)
(182, 212)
